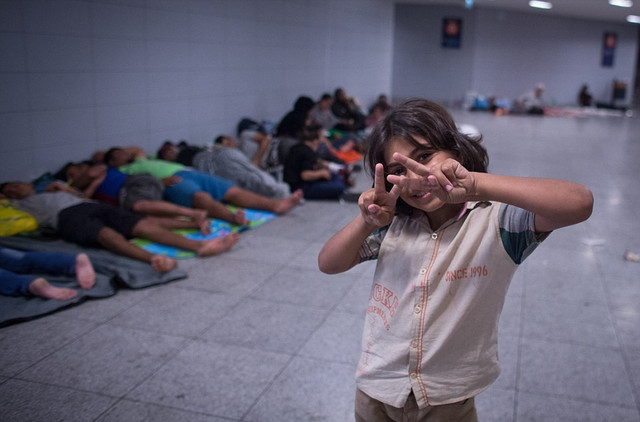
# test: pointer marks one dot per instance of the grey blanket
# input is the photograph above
(112, 272)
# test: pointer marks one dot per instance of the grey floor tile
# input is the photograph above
(214, 379)
(495, 405)
(508, 347)
(632, 356)
(552, 319)
(109, 360)
(102, 310)
(131, 411)
(574, 371)
(628, 327)
(308, 390)
(308, 221)
(252, 249)
(229, 275)
(511, 316)
(176, 311)
(265, 325)
(356, 299)
(305, 287)
(25, 344)
(338, 339)
(22, 401)
(563, 275)
(308, 259)
(536, 408)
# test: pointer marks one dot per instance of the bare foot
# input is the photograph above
(41, 287)
(240, 218)
(162, 263)
(84, 271)
(216, 246)
(201, 219)
(286, 204)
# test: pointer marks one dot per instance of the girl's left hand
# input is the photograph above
(441, 176)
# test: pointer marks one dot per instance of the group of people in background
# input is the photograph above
(122, 193)
(530, 102)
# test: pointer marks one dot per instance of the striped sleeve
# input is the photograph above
(517, 231)
(371, 246)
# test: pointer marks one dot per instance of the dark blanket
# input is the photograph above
(112, 271)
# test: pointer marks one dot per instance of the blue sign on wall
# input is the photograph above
(608, 48)
(451, 32)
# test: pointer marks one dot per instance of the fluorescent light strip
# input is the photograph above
(621, 3)
(633, 19)
(540, 4)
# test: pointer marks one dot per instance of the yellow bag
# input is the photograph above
(13, 220)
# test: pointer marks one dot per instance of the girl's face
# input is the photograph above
(424, 154)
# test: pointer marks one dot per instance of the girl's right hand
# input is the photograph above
(378, 206)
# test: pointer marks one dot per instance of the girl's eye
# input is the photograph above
(424, 156)
(399, 171)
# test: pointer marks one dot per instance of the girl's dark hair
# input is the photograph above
(418, 118)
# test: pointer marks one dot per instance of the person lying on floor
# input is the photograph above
(17, 269)
(94, 224)
(227, 161)
(188, 187)
(140, 193)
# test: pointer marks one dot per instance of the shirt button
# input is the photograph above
(417, 309)
(413, 375)
(434, 235)
(414, 343)
(423, 271)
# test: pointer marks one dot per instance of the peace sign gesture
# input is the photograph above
(377, 205)
(442, 176)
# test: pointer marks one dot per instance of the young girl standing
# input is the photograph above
(448, 237)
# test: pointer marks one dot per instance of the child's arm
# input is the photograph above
(377, 207)
(61, 187)
(313, 175)
(97, 175)
(555, 203)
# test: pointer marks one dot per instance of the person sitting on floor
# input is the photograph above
(585, 99)
(530, 102)
(188, 187)
(345, 107)
(94, 224)
(290, 126)
(305, 170)
(321, 114)
(227, 161)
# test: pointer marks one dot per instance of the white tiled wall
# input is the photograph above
(81, 75)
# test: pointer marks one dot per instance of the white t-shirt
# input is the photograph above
(432, 321)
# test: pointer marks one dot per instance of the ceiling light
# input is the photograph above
(633, 19)
(621, 3)
(540, 4)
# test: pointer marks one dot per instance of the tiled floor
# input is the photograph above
(259, 334)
